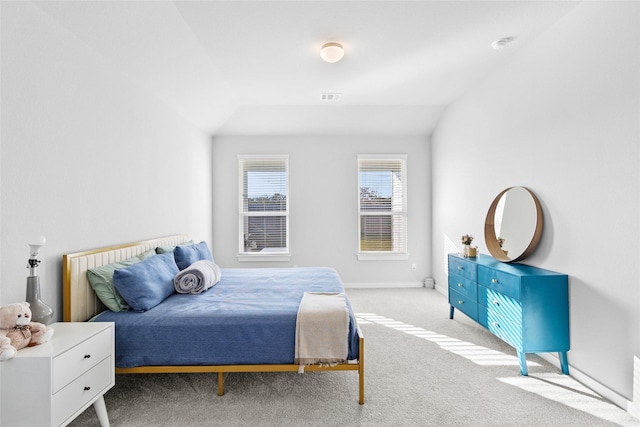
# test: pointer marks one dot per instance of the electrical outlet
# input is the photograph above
(414, 267)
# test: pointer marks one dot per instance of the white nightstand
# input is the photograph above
(52, 383)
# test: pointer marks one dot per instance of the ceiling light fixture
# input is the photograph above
(331, 52)
(501, 43)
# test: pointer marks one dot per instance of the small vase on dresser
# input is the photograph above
(469, 251)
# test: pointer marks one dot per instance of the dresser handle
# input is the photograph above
(459, 267)
(87, 356)
(496, 324)
(460, 302)
(459, 285)
(87, 388)
(494, 280)
(495, 302)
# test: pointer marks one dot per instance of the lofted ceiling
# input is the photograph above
(253, 67)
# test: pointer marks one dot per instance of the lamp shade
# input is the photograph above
(332, 52)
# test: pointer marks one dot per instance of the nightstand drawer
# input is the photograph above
(80, 358)
(500, 281)
(81, 391)
(464, 268)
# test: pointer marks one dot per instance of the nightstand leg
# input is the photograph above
(451, 312)
(523, 363)
(564, 362)
(101, 411)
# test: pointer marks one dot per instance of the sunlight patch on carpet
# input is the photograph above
(475, 353)
(567, 391)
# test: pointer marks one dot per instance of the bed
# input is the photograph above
(245, 323)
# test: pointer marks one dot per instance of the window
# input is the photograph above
(264, 208)
(382, 206)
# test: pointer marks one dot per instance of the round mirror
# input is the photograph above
(513, 225)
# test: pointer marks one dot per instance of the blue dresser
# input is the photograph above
(527, 307)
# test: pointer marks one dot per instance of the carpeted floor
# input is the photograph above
(422, 369)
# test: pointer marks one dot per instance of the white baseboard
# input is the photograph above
(382, 285)
(594, 385)
(634, 407)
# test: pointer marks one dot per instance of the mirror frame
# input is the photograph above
(491, 240)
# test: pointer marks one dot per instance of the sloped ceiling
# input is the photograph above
(253, 67)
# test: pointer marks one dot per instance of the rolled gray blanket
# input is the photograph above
(197, 278)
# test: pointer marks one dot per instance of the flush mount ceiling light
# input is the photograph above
(501, 43)
(331, 52)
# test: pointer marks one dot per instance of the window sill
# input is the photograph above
(379, 256)
(264, 257)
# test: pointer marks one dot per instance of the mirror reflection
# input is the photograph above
(513, 225)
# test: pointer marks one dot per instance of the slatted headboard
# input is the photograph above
(80, 303)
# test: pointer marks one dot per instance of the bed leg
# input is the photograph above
(361, 385)
(361, 371)
(220, 383)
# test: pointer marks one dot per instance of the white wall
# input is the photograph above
(322, 233)
(562, 118)
(88, 158)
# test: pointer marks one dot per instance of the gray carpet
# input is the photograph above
(422, 369)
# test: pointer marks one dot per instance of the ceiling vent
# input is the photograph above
(330, 96)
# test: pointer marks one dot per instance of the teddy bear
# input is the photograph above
(17, 331)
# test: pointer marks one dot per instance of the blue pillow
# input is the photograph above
(170, 248)
(101, 280)
(187, 255)
(147, 283)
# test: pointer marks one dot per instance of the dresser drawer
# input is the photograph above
(465, 304)
(463, 268)
(80, 358)
(81, 391)
(500, 281)
(502, 315)
(463, 286)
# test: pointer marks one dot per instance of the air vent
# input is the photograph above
(330, 96)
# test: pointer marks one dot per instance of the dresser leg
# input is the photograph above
(523, 363)
(101, 412)
(451, 312)
(564, 363)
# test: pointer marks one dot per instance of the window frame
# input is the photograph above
(391, 255)
(274, 256)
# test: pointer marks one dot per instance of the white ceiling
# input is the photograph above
(253, 67)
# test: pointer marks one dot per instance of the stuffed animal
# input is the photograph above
(17, 331)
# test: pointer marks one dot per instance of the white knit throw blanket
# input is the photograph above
(322, 329)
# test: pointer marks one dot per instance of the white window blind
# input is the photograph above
(264, 204)
(382, 205)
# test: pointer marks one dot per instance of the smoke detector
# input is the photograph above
(501, 43)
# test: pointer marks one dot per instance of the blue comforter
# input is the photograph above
(249, 317)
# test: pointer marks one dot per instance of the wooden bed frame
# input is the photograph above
(80, 304)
